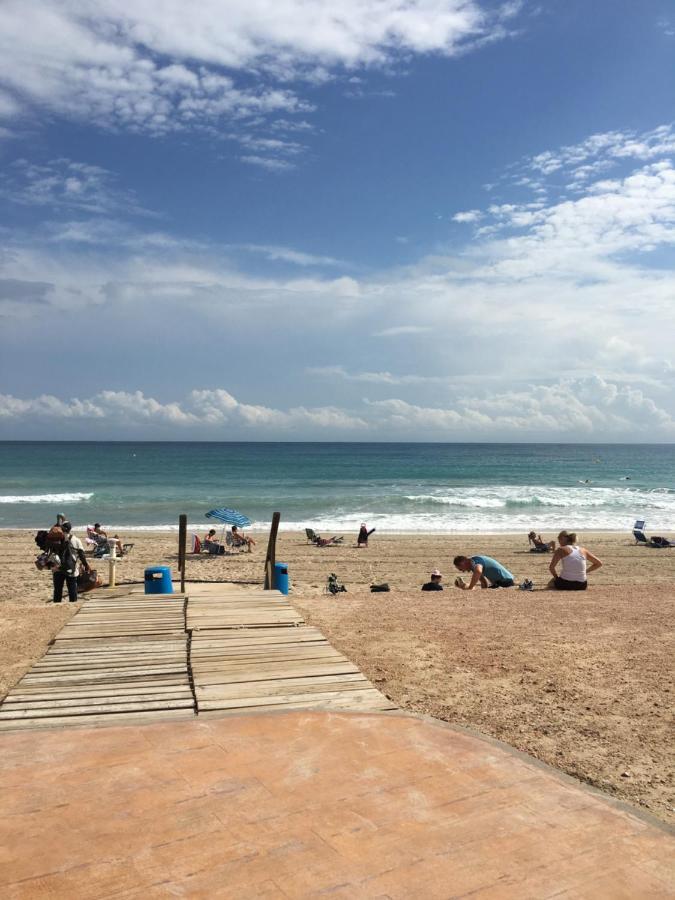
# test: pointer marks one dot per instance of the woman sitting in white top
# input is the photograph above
(573, 570)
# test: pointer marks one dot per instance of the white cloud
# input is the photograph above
(588, 407)
(400, 330)
(268, 162)
(163, 66)
(289, 255)
(471, 215)
(67, 184)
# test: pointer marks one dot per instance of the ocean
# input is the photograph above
(336, 486)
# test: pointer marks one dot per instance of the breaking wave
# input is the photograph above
(76, 497)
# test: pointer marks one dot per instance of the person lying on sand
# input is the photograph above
(486, 572)
(539, 545)
(434, 584)
(573, 561)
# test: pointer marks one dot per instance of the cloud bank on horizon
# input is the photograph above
(249, 222)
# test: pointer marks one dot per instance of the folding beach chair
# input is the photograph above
(312, 536)
(639, 534)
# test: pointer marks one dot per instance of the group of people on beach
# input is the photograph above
(237, 539)
(569, 567)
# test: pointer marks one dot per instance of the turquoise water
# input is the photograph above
(394, 487)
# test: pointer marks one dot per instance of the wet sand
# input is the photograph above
(581, 681)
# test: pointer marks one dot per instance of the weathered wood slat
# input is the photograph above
(141, 717)
(70, 702)
(337, 702)
(268, 688)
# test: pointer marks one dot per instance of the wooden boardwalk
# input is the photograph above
(213, 651)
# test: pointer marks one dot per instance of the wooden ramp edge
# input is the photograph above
(124, 660)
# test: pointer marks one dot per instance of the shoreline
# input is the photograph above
(263, 530)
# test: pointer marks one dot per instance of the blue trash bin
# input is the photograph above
(158, 580)
(281, 580)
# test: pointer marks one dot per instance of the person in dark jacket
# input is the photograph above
(364, 534)
(435, 583)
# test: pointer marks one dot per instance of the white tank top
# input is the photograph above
(574, 566)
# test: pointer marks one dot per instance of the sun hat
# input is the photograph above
(436, 574)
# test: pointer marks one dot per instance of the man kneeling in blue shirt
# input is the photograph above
(485, 571)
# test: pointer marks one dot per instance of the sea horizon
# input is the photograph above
(396, 487)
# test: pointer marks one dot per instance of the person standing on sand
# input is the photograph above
(486, 572)
(573, 572)
(364, 534)
(435, 582)
(71, 554)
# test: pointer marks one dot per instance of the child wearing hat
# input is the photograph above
(435, 583)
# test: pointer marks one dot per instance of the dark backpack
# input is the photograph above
(41, 539)
(68, 557)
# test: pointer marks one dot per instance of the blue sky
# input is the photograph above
(420, 220)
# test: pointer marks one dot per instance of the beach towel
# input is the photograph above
(196, 545)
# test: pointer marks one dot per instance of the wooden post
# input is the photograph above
(182, 541)
(271, 552)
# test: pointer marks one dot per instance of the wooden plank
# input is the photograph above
(68, 702)
(339, 702)
(227, 664)
(94, 709)
(272, 687)
(87, 721)
(66, 693)
(104, 689)
(280, 670)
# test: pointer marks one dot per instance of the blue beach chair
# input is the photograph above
(639, 533)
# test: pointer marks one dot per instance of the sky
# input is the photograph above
(412, 220)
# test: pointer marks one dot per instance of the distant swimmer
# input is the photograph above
(625, 478)
(585, 481)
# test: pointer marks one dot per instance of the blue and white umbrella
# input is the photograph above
(229, 517)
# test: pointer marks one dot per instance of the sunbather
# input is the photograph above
(242, 540)
(538, 545)
(324, 542)
(212, 545)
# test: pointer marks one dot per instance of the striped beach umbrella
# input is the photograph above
(229, 517)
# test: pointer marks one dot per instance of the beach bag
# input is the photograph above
(55, 538)
(87, 581)
(48, 560)
(380, 588)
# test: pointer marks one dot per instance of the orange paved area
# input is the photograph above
(308, 803)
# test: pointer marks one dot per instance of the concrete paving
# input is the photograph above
(302, 804)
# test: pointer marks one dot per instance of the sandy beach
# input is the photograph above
(583, 682)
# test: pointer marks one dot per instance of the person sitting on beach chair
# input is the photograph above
(241, 540)
(212, 545)
(538, 545)
(105, 545)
